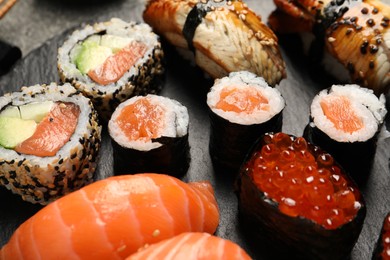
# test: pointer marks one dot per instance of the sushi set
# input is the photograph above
(202, 124)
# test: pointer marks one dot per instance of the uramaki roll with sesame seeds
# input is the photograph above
(346, 121)
(112, 61)
(223, 36)
(294, 197)
(49, 141)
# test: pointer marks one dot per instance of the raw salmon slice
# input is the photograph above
(53, 132)
(116, 65)
(192, 246)
(242, 100)
(114, 217)
(141, 120)
(338, 110)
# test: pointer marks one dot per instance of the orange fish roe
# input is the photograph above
(141, 120)
(386, 238)
(304, 181)
(242, 100)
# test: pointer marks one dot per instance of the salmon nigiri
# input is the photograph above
(113, 218)
(192, 246)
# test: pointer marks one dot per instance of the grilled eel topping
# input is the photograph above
(224, 36)
(355, 32)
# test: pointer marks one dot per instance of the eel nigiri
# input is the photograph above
(224, 36)
(192, 246)
(113, 218)
(355, 32)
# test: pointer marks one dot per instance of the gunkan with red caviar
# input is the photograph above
(382, 249)
(296, 196)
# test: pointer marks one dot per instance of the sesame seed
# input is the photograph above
(331, 39)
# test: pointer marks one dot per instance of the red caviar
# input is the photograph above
(304, 181)
(386, 238)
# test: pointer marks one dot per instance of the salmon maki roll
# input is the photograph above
(112, 61)
(49, 141)
(150, 134)
(114, 217)
(296, 198)
(242, 107)
(221, 36)
(192, 246)
(346, 121)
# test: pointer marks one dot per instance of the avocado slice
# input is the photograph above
(91, 56)
(116, 43)
(14, 130)
(33, 111)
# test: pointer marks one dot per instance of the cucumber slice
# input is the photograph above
(116, 43)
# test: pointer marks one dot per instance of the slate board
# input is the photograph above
(188, 85)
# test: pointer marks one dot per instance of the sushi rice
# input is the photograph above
(369, 107)
(242, 80)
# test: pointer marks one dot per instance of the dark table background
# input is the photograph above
(38, 27)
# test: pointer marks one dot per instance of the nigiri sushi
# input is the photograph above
(354, 33)
(112, 218)
(192, 246)
(223, 36)
(111, 61)
(296, 197)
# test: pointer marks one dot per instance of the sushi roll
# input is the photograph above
(150, 134)
(192, 246)
(346, 121)
(49, 142)
(296, 198)
(112, 61)
(382, 248)
(114, 217)
(242, 107)
(222, 36)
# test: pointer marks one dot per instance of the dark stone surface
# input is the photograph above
(31, 24)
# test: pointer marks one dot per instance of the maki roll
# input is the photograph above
(382, 249)
(49, 141)
(150, 134)
(346, 121)
(293, 195)
(242, 108)
(221, 35)
(112, 61)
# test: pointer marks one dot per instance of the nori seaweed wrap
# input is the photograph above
(296, 199)
(150, 134)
